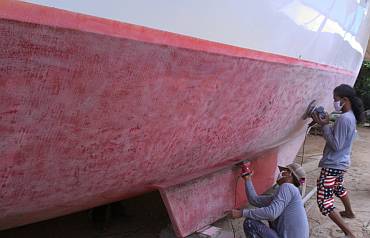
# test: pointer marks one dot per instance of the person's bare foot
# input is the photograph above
(346, 214)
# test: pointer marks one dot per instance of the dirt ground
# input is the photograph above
(146, 217)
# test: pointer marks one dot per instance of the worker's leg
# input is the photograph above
(335, 217)
(348, 213)
(341, 192)
(325, 191)
(325, 199)
(257, 229)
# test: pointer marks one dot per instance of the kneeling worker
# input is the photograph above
(284, 210)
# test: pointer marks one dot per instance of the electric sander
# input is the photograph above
(245, 166)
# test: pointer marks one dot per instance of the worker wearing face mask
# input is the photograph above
(284, 209)
(337, 154)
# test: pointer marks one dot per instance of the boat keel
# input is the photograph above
(202, 201)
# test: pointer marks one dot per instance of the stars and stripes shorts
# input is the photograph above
(329, 183)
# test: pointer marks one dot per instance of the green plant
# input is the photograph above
(362, 85)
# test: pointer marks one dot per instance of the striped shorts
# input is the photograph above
(329, 183)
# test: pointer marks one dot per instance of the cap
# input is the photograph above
(297, 170)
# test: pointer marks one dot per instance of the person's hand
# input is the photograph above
(236, 213)
(247, 177)
(319, 120)
(312, 123)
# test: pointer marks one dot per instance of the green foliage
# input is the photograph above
(362, 84)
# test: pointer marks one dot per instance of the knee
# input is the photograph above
(342, 192)
(326, 211)
(325, 207)
(249, 223)
(249, 226)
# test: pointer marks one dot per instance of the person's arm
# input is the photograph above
(336, 136)
(253, 198)
(274, 210)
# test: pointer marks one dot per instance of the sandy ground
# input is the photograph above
(146, 217)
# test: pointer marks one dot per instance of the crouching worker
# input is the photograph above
(284, 210)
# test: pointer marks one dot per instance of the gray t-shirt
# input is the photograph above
(339, 138)
(284, 208)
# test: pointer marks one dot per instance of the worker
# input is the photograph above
(336, 157)
(284, 210)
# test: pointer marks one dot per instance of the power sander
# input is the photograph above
(245, 166)
(314, 108)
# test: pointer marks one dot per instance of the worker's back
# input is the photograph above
(293, 220)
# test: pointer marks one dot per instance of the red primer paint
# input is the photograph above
(99, 115)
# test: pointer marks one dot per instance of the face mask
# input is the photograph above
(337, 106)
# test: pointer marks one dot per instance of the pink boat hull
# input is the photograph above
(94, 111)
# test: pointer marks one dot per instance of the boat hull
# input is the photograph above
(89, 118)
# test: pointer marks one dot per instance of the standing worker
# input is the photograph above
(337, 154)
(284, 210)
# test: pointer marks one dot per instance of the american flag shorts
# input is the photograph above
(329, 183)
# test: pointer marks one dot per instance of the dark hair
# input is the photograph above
(295, 181)
(347, 91)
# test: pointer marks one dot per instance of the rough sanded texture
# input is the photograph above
(88, 118)
(202, 201)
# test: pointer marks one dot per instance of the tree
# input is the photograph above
(362, 85)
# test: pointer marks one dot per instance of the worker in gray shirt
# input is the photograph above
(284, 210)
(336, 157)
